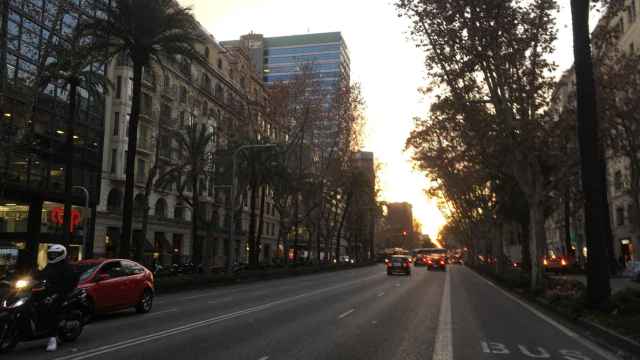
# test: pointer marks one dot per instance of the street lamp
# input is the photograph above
(234, 183)
(85, 225)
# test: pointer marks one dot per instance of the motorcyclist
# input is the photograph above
(61, 280)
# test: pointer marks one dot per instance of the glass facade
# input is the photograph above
(33, 123)
(325, 54)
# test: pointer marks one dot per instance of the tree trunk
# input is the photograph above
(68, 166)
(127, 212)
(196, 248)
(525, 237)
(567, 224)
(296, 216)
(263, 199)
(339, 234)
(598, 285)
(253, 250)
(148, 187)
(537, 241)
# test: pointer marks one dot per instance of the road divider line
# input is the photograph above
(264, 358)
(381, 294)
(443, 349)
(220, 300)
(346, 313)
(180, 329)
(591, 346)
(160, 312)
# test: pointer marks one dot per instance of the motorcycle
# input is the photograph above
(21, 303)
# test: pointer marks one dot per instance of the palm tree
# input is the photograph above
(73, 67)
(194, 145)
(147, 31)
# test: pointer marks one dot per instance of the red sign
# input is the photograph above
(57, 217)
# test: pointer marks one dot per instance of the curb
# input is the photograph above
(621, 346)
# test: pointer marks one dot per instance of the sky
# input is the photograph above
(389, 68)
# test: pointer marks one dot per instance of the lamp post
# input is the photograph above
(84, 226)
(234, 184)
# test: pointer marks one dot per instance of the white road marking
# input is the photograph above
(539, 353)
(591, 346)
(264, 358)
(220, 300)
(381, 294)
(207, 322)
(443, 349)
(346, 313)
(160, 312)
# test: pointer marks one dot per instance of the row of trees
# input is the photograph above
(501, 146)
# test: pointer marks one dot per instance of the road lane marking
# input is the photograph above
(381, 294)
(591, 346)
(184, 328)
(160, 312)
(346, 313)
(264, 358)
(443, 349)
(220, 300)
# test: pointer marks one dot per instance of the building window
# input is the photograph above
(114, 201)
(206, 53)
(220, 64)
(178, 212)
(116, 124)
(631, 11)
(114, 160)
(161, 208)
(620, 215)
(141, 171)
(630, 215)
(118, 87)
(632, 48)
(139, 205)
(183, 95)
(124, 163)
(617, 180)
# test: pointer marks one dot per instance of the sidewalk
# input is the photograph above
(617, 283)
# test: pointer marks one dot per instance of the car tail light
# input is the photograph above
(563, 262)
(545, 262)
(442, 262)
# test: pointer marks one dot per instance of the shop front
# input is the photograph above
(27, 229)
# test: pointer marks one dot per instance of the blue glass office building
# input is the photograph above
(283, 57)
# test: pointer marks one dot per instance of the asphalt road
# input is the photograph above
(354, 314)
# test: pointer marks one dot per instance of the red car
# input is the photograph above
(115, 284)
(436, 262)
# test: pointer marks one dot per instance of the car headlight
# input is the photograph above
(16, 304)
(22, 283)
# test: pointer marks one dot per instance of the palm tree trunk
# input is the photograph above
(132, 146)
(196, 249)
(68, 167)
(598, 285)
(148, 186)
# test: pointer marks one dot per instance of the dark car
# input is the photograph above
(115, 284)
(398, 264)
(437, 262)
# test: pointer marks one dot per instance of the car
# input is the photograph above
(557, 264)
(116, 284)
(436, 262)
(398, 264)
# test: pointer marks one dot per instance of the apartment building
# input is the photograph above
(217, 90)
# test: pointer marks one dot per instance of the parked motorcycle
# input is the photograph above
(20, 303)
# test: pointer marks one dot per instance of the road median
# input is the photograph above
(183, 282)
